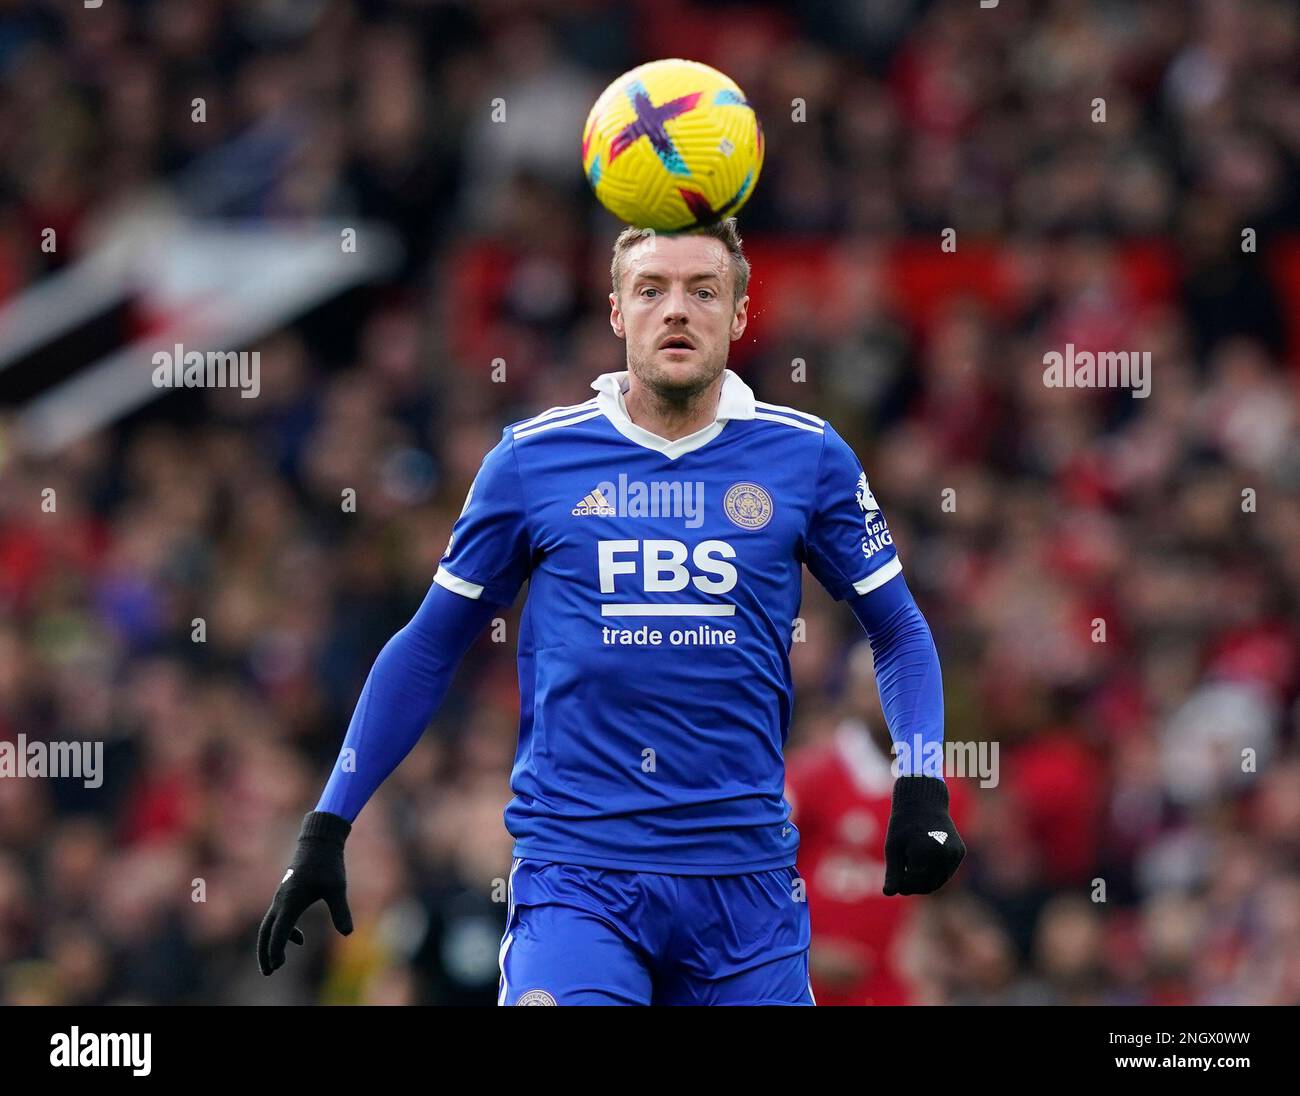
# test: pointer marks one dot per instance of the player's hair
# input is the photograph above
(724, 231)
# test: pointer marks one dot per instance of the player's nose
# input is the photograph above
(675, 306)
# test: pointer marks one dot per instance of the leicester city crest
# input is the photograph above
(748, 505)
(536, 997)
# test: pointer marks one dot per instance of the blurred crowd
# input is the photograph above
(1113, 583)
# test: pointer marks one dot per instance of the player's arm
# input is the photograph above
(922, 846)
(485, 564)
(851, 551)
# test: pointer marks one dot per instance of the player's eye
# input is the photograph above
(706, 294)
(648, 289)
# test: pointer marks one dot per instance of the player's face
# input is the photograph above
(676, 312)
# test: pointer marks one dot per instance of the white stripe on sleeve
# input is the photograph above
(878, 578)
(448, 581)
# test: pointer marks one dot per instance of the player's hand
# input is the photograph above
(315, 872)
(922, 846)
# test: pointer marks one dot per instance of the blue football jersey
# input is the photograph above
(664, 581)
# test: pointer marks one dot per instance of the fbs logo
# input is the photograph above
(595, 504)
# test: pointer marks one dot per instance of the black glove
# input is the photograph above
(922, 846)
(315, 872)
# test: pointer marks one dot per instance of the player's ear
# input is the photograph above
(740, 319)
(616, 316)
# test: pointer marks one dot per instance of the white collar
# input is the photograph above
(869, 768)
(736, 401)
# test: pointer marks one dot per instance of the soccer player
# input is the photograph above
(662, 527)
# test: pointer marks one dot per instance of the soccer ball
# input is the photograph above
(672, 145)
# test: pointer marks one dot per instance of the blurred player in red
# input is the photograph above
(839, 789)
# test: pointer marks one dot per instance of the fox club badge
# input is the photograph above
(748, 505)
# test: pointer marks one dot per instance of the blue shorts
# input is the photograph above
(593, 936)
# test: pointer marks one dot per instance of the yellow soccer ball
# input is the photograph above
(672, 145)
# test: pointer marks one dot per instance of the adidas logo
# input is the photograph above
(939, 835)
(594, 504)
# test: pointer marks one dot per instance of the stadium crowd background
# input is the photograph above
(1120, 760)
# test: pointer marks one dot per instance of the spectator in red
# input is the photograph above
(839, 787)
